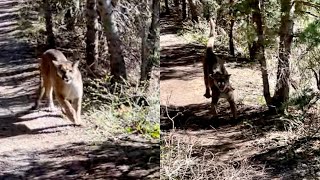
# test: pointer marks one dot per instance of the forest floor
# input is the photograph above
(256, 138)
(42, 145)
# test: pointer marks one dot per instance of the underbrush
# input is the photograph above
(190, 161)
(122, 109)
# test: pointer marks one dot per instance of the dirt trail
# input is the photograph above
(42, 145)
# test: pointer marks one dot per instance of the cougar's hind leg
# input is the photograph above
(41, 93)
(206, 78)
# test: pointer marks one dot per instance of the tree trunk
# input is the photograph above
(176, 3)
(252, 50)
(206, 9)
(184, 9)
(281, 94)
(117, 64)
(194, 13)
(92, 35)
(152, 44)
(166, 3)
(258, 20)
(49, 25)
(70, 16)
(231, 14)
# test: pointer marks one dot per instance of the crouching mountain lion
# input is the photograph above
(216, 77)
(63, 77)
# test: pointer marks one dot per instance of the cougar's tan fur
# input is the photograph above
(64, 78)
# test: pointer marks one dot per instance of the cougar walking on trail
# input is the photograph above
(64, 78)
(216, 77)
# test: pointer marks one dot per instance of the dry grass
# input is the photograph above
(182, 161)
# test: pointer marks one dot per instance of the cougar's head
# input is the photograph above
(221, 81)
(66, 70)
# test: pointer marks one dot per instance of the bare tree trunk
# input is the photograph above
(166, 3)
(194, 13)
(49, 25)
(117, 64)
(231, 14)
(258, 20)
(252, 50)
(70, 16)
(184, 9)
(153, 44)
(92, 35)
(176, 3)
(144, 57)
(252, 46)
(206, 9)
(281, 94)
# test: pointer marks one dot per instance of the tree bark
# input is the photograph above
(70, 16)
(152, 44)
(166, 3)
(92, 35)
(281, 94)
(258, 20)
(194, 13)
(184, 9)
(231, 14)
(252, 50)
(117, 64)
(176, 3)
(49, 25)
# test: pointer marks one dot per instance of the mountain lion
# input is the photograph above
(216, 77)
(63, 77)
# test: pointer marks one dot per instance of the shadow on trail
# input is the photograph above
(181, 55)
(195, 117)
(169, 25)
(123, 159)
(172, 58)
(10, 125)
(297, 160)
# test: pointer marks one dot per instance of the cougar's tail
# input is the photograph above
(212, 27)
(211, 35)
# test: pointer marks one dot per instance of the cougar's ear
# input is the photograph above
(75, 64)
(213, 76)
(56, 64)
(228, 76)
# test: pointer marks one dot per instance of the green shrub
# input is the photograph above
(122, 108)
